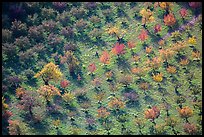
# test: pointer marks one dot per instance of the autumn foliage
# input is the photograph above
(68, 97)
(171, 69)
(143, 35)
(105, 57)
(166, 5)
(48, 91)
(49, 72)
(191, 129)
(103, 112)
(147, 16)
(186, 112)
(71, 60)
(5, 112)
(20, 92)
(131, 44)
(183, 12)
(14, 128)
(118, 49)
(158, 77)
(116, 103)
(126, 80)
(152, 113)
(64, 83)
(92, 67)
(195, 5)
(157, 28)
(169, 20)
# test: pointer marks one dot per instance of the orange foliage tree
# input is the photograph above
(171, 69)
(116, 103)
(14, 127)
(169, 19)
(186, 112)
(131, 44)
(92, 67)
(48, 91)
(103, 112)
(105, 57)
(19, 92)
(152, 113)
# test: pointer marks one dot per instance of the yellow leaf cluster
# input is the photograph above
(113, 30)
(68, 97)
(192, 40)
(50, 72)
(158, 77)
(4, 105)
(165, 5)
(56, 122)
(146, 16)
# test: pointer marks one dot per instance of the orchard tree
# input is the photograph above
(49, 72)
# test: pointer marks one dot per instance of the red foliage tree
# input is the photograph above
(118, 49)
(92, 67)
(183, 12)
(195, 5)
(131, 45)
(157, 28)
(143, 35)
(64, 83)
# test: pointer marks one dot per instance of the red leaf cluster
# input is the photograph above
(183, 12)
(92, 67)
(157, 28)
(143, 35)
(195, 4)
(64, 83)
(131, 45)
(118, 49)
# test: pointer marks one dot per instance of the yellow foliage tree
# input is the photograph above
(49, 72)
